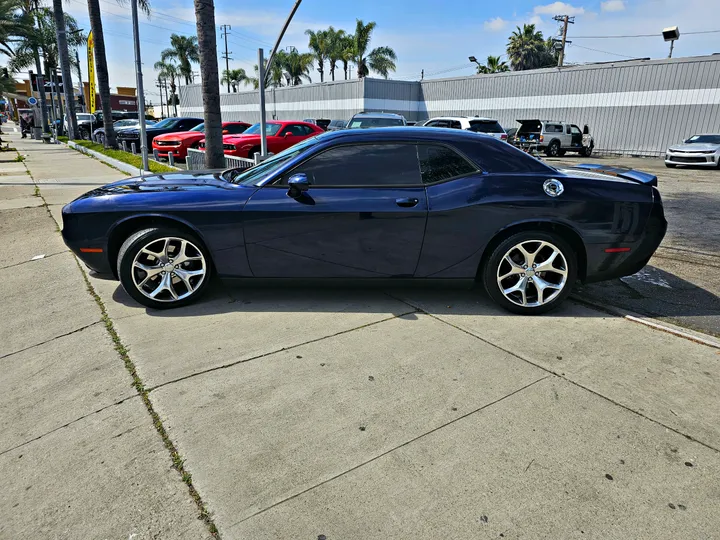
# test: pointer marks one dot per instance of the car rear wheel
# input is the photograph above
(553, 150)
(163, 268)
(530, 272)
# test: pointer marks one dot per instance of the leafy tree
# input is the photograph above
(170, 72)
(297, 66)
(185, 50)
(380, 59)
(336, 47)
(235, 77)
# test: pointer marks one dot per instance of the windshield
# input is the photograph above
(707, 139)
(485, 126)
(199, 127)
(374, 122)
(253, 175)
(168, 122)
(270, 129)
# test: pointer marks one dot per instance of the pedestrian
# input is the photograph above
(23, 126)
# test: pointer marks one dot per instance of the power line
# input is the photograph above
(645, 35)
(604, 52)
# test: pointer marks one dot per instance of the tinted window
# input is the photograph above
(364, 122)
(439, 163)
(553, 128)
(199, 127)
(496, 156)
(323, 123)
(486, 126)
(308, 130)
(296, 130)
(235, 128)
(363, 165)
(709, 139)
(455, 124)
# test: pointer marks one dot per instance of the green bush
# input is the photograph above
(126, 157)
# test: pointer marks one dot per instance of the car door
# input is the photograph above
(576, 138)
(363, 216)
(289, 135)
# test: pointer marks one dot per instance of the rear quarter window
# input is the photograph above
(495, 156)
(486, 126)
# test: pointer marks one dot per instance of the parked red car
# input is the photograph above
(280, 135)
(179, 142)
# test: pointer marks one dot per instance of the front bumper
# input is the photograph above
(692, 158)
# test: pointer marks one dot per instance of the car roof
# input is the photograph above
(378, 115)
(461, 118)
(403, 133)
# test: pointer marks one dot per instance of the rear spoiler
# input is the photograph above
(621, 172)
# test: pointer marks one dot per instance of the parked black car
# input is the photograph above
(169, 125)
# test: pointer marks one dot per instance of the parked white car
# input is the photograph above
(477, 124)
(701, 150)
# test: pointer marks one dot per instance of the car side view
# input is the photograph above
(404, 203)
(280, 135)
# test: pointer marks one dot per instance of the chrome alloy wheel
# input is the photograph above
(532, 273)
(168, 269)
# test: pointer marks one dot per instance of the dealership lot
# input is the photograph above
(303, 413)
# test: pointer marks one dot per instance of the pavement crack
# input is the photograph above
(288, 348)
(35, 260)
(393, 449)
(83, 417)
(563, 377)
(50, 339)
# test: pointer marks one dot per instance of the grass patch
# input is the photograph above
(20, 158)
(126, 157)
(63, 138)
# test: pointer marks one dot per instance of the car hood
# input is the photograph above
(695, 147)
(181, 135)
(176, 181)
(610, 173)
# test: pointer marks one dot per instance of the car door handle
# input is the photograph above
(407, 202)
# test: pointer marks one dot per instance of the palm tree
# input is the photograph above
(380, 59)
(275, 78)
(170, 72)
(63, 53)
(347, 51)
(336, 44)
(527, 49)
(494, 65)
(206, 53)
(319, 44)
(16, 24)
(185, 50)
(235, 77)
(101, 68)
(297, 66)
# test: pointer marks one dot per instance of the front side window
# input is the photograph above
(575, 130)
(270, 129)
(439, 163)
(253, 175)
(295, 130)
(199, 127)
(363, 165)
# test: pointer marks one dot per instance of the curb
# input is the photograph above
(678, 331)
(121, 165)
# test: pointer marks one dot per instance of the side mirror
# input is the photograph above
(287, 134)
(298, 184)
(225, 131)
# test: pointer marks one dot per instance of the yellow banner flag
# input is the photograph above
(91, 72)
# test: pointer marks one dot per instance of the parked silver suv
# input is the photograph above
(488, 126)
(553, 138)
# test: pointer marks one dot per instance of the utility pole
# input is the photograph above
(565, 19)
(224, 29)
(261, 88)
(160, 86)
(167, 97)
(140, 91)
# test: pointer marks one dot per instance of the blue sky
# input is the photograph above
(431, 35)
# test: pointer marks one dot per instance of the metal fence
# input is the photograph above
(196, 161)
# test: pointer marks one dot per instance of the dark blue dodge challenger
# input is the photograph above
(388, 203)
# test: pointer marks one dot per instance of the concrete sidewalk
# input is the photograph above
(344, 414)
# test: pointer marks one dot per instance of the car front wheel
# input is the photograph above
(530, 272)
(163, 268)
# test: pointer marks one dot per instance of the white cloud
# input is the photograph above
(496, 24)
(612, 5)
(536, 20)
(559, 8)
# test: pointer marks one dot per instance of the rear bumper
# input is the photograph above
(603, 266)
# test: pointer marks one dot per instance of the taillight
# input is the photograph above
(503, 137)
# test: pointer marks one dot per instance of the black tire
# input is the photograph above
(670, 165)
(496, 262)
(143, 238)
(586, 151)
(254, 150)
(553, 150)
(561, 153)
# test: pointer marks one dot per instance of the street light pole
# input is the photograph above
(140, 91)
(261, 87)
